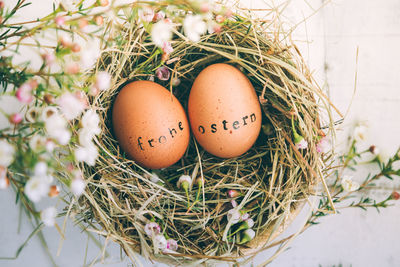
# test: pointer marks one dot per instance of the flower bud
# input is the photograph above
(54, 191)
(219, 18)
(233, 193)
(102, 2)
(75, 47)
(4, 182)
(72, 68)
(48, 58)
(98, 20)
(15, 118)
(163, 73)
(82, 23)
(374, 150)
(247, 236)
(49, 99)
(184, 182)
(395, 195)
(59, 20)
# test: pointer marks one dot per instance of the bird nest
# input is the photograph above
(268, 183)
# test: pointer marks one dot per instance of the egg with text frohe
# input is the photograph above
(224, 112)
(150, 124)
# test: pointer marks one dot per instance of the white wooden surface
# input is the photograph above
(353, 237)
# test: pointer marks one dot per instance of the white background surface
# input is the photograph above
(353, 237)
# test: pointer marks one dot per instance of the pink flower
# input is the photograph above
(24, 93)
(163, 73)
(219, 19)
(152, 229)
(172, 244)
(15, 118)
(59, 20)
(233, 193)
(159, 16)
(49, 58)
(323, 145)
(301, 143)
(72, 68)
(167, 48)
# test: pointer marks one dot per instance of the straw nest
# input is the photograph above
(273, 177)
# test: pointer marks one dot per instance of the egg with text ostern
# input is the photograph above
(150, 124)
(224, 112)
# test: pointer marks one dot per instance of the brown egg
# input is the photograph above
(224, 112)
(150, 124)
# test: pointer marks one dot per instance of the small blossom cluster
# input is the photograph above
(244, 231)
(160, 243)
(52, 109)
(210, 19)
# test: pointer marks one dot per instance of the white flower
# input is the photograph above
(89, 54)
(31, 114)
(146, 14)
(103, 80)
(40, 169)
(36, 188)
(301, 144)
(77, 186)
(194, 26)
(90, 121)
(7, 152)
(245, 217)
(348, 184)
(48, 216)
(71, 105)
(383, 155)
(37, 142)
(160, 243)
(360, 132)
(48, 112)
(87, 153)
(184, 179)
(56, 127)
(233, 215)
(154, 178)
(85, 137)
(161, 33)
(50, 145)
(152, 229)
(249, 223)
(323, 145)
(248, 235)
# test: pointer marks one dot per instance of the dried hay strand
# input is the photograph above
(274, 178)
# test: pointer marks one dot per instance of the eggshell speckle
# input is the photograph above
(150, 124)
(224, 112)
